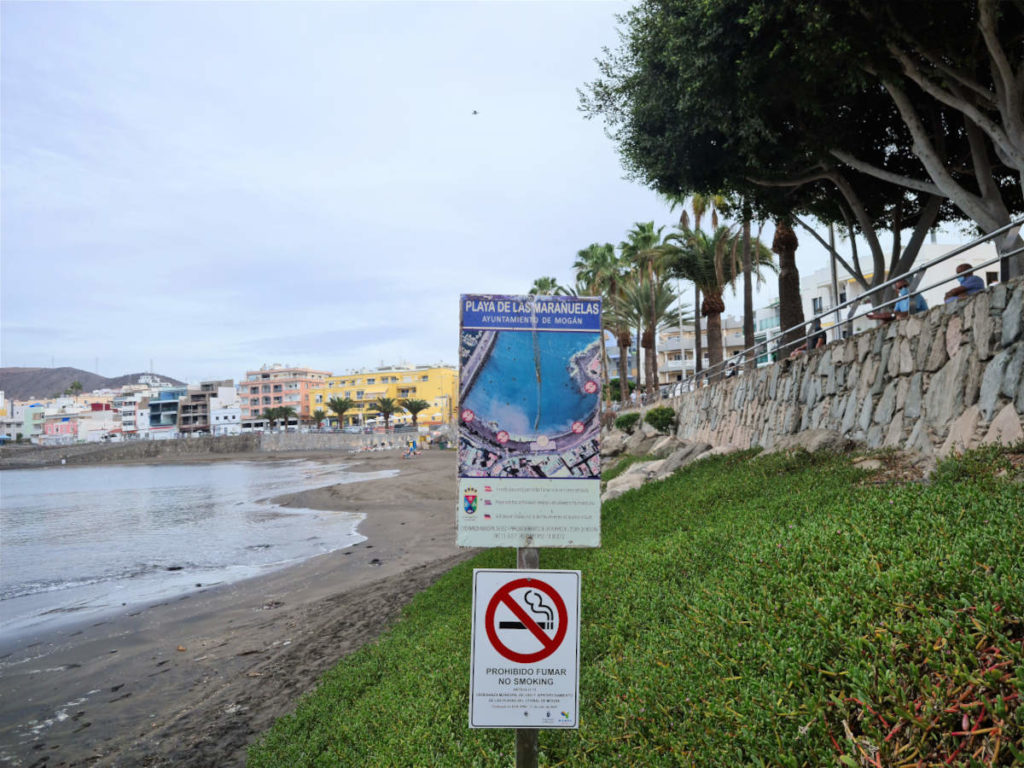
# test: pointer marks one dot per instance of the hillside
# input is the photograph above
(774, 611)
(29, 383)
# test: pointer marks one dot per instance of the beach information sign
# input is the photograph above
(529, 421)
(524, 670)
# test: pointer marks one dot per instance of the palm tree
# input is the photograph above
(700, 204)
(285, 413)
(597, 274)
(713, 262)
(318, 416)
(339, 405)
(386, 406)
(635, 302)
(545, 286)
(642, 248)
(271, 415)
(414, 406)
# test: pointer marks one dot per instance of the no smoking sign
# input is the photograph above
(525, 654)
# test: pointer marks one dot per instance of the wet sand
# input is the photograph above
(193, 681)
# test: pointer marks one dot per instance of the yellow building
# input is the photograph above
(438, 385)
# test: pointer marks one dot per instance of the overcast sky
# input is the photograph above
(215, 186)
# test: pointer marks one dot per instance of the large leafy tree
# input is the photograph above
(339, 406)
(874, 128)
(414, 406)
(386, 407)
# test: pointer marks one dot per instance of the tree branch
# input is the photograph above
(995, 131)
(969, 203)
(854, 274)
(880, 173)
(925, 221)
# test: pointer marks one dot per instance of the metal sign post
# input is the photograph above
(527, 743)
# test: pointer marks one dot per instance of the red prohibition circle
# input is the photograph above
(548, 644)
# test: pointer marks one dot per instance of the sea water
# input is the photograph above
(78, 542)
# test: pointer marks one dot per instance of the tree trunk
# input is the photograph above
(623, 344)
(649, 363)
(714, 340)
(748, 296)
(791, 311)
(697, 346)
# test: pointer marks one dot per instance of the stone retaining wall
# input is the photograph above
(946, 380)
(96, 453)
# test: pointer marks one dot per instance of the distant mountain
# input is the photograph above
(31, 383)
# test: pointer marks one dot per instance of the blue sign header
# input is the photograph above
(529, 313)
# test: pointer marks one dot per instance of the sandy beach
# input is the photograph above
(193, 681)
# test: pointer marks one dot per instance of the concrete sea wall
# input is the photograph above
(946, 380)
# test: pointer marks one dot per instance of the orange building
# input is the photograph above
(274, 386)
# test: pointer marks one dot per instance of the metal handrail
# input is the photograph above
(743, 356)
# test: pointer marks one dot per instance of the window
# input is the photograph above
(371, 381)
(266, 401)
(359, 394)
(265, 388)
(319, 399)
(424, 378)
(277, 399)
(842, 296)
(254, 390)
(816, 305)
(277, 387)
(991, 277)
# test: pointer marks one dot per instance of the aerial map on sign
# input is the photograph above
(529, 394)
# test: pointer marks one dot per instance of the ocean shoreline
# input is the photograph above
(191, 681)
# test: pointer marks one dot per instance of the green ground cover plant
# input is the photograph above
(750, 610)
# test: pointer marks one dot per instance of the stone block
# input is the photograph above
(685, 454)
(875, 436)
(613, 443)
(912, 405)
(1013, 316)
(894, 432)
(864, 422)
(937, 356)
(886, 405)
(664, 446)
(992, 384)
(954, 334)
(1005, 428)
(945, 390)
(981, 326)
(920, 439)
(997, 298)
(814, 440)
(1013, 379)
(850, 415)
(913, 326)
(882, 374)
(906, 358)
(961, 435)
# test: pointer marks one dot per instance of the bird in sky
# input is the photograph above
(475, 112)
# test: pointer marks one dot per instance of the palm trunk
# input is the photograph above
(697, 346)
(713, 308)
(623, 369)
(748, 296)
(791, 311)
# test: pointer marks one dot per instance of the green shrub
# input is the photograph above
(612, 390)
(627, 421)
(661, 418)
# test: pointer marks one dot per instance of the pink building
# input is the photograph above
(60, 429)
(275, 386)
